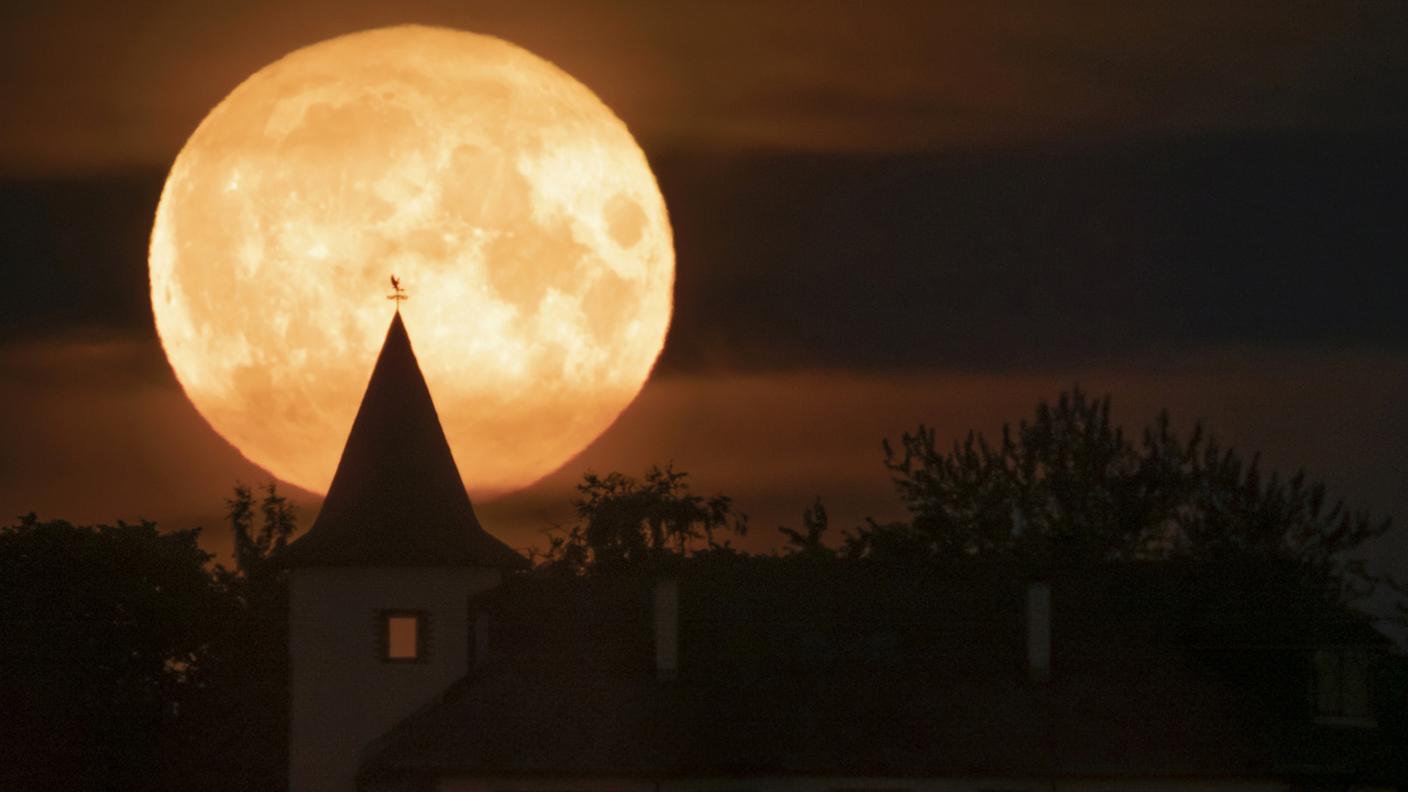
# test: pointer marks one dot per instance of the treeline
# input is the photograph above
(130, 660)
(1066, 487)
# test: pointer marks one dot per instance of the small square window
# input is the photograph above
(402, 636)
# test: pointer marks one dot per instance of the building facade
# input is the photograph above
(424, 658)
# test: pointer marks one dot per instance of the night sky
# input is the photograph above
(885, 214)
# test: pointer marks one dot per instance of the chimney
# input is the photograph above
(1039, 630)
(667, 629)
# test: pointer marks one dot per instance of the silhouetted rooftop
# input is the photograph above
(788, 669)
(397, 498)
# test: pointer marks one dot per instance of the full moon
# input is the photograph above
(518, 212)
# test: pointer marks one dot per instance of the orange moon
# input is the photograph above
(520, 215)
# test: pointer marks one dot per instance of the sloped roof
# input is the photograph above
(798, 672)
(397, 498)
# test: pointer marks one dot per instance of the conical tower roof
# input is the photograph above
(397, 498)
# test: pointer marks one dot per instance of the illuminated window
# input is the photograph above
(402, 636)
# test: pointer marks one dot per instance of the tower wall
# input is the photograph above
(343, 693)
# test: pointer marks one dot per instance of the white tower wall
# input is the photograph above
(343, 693)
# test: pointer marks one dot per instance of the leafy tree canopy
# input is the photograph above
(1067, 486)
(102, 632)
(1070, 486)
(129, 661)
(623, 522)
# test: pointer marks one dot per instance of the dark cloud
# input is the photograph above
(73, 253)
(101, 85)
(1015, 259)
(1040, 258)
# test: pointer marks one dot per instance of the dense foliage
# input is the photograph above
(129, 662)
(1069, 486)
(101, 632)
(1066, 487)
(623, 522)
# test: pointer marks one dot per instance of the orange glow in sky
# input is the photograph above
(518, 211)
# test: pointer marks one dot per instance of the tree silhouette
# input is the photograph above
(128, 661)
(1070, 486)
(245, 698)
(255, 551)
(810, 542)
(103, 635)
(622, 522)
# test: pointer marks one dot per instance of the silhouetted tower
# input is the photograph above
(379, 586)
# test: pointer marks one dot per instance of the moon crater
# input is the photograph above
(518, 211)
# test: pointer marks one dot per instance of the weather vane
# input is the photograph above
(399, 294)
